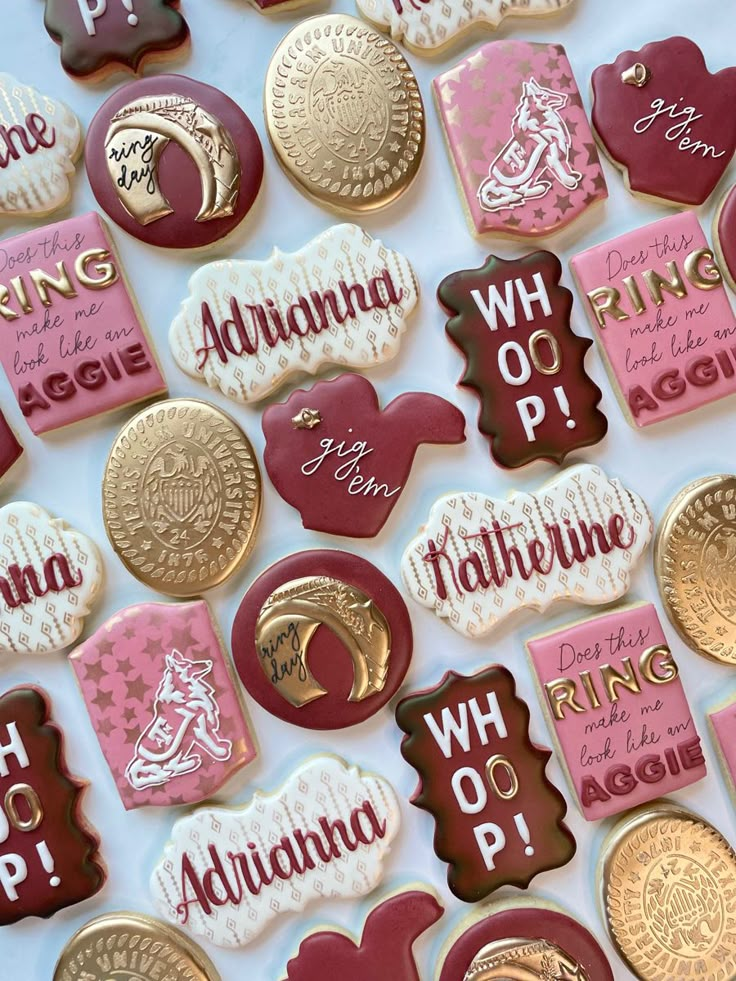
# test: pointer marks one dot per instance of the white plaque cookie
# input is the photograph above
(50, 575)
(247, 326)
(40, 140)
(228, 871)
(479, 559)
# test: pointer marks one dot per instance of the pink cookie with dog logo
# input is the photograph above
(163, 700)
(518, 135)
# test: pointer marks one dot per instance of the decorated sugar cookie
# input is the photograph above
(498, 819)
(48, 855)
(174, 162)
(99, 36)
(510, 319)
(666, 877)
(10, 448)
(75, 345)
(324, 834)
(665, 120)
(724, 235)
(40, 141)
(343, 462)
(656, 300)
(478, 559)
(385, 947)
(429, 26)
(162, 698)
(322, 639)
(530, 941)
(516, 129)
(613, 697)
(50, 577)
(248, 326)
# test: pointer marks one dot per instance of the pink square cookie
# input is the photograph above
(613, 696)
(74, 344)
(656, 300)
(723, 724)
(519, 138)
(164, 703)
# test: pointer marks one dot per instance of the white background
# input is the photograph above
(232, 43)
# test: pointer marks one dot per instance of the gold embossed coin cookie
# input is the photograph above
(132, 947)
(181, 496)
(695, 562)
(668, 894)
(344, 113)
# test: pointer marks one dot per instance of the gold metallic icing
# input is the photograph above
(637, 75)
(519, 959)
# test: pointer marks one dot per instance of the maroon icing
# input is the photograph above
(365, 449)
(124, 33)
(674, 156)
(532, 923)
(61, 840)
(328, 659)
(10, 448)
(725, 235)
(545, 415)
(385, 949)
(179, 178)
(470, 715)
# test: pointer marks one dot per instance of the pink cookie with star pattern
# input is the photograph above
(162, 697)
(519, 138)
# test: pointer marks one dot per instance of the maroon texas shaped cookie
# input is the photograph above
(665, 120)
(511, 321)
(48, 855)
(525, 942)
(98, 36)
(498, 819)
(385, 948)
(724, 235)
(341, 461)
(322, 639)
(10, 448)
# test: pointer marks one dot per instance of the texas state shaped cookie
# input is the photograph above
(48, 854)
(174, 162)
(74, 343)
(665, 120)
(510, 319)
(478, 559)
(40, 141)
(385, 947)
(613, 697)
(519, 139)
(656, 301)
(498, 819)
(162, 698)
(324, 834)
(428, 26)
(10, 448)
(247, 326)
(100, 36)
(343, 462)
(50, 577)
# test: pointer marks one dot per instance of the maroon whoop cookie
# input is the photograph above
(98, 36)
(174, 162)
(10, 448)
(341, 460)
(322, 639)
(520, 938)
(724, 235)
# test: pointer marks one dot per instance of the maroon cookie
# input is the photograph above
(498, 818)
(511, 321)
(322, 639)
(725, 235)
(341, 461)
(174, 162)
(532, 923)
(10, 448)
(665, 120)
(48, 856)
(385, 950)
(98, 36)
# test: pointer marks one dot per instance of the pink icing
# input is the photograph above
(170, 725)
(672, 356)
(69, 357)
(521, 142)
(642, 744)
(723, 721)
